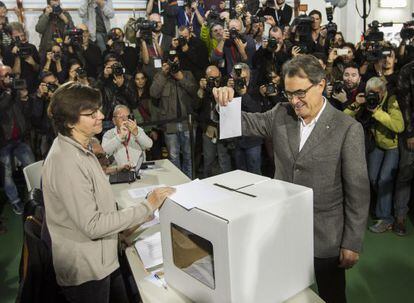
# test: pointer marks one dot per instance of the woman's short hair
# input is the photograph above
(376, 83)
(306, 67)
(68, 101)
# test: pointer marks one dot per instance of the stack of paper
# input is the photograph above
(150, 250)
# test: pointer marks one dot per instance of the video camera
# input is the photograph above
(331, 27)
(303, 30)
(17, 84)
(75, 36)
(407, 31)
(372, 46)
(145, 27)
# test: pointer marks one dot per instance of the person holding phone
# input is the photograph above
(126, 141)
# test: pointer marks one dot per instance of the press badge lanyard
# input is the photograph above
(125, 143)
(159, 43)
(189, 22)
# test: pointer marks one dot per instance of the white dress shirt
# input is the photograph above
(306, 129)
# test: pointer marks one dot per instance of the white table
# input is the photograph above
(167, 174)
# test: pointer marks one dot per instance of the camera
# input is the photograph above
(303, 30)
(373, 48)
(57, 10)
(214, 16)
(51, 87)
(256, 19)
(81, 73)
(241, 6)
(57, 56)
(407, 32)
(174, 66)
(239, 82)
(272, 43)
(145, 27)
(17, 84)
(117, 69)
(211, 83)
(271, 88)
(233, 33)
(25, 50)
(182, 41)
(75, 36)
(372, 100)
(337, 87)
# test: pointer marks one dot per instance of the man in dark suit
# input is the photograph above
(279, 10)
(317, 146)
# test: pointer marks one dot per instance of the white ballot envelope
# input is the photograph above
(230, 119)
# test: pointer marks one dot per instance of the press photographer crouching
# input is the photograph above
(345, 92)
(387, 123)
(248, 150)
(213, 147)
(272, 90)
(15, 110)
(81, 214)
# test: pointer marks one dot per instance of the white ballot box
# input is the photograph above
(249, 240)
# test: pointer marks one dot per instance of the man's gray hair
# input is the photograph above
(243, 66)
(306, 67)
(375, 83)
(119, 107)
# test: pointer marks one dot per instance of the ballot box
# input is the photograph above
(238, 237)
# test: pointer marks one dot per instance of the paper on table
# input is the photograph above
(150, 250)
(142, 192)
(197, 193)
(230, 119)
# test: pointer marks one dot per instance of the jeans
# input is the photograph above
(382, 169)
(404, 178)
(176, 142)
(24, 154)
(100, 41)
(210, 151)
(249, 159)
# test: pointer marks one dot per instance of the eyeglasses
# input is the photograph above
(300, 93)
(93, 114)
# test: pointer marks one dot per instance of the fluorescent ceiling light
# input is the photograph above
(392, 3)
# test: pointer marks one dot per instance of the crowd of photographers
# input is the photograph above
(162, 70)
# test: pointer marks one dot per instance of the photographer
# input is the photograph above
(406, 48)
(383, 159)
(318, 32)
(176, 91)
(271, 54)
(191, 52)
(51, 25)
(14, 127)
(26, 58)
(271, 90)
(248, 150)
(338, 58)
(344, 93)
(191, 15)
(86, 51)
(167, 10)
(279, 10)
(116, 88)
(78, 74)
(255, 27)
(235, 47)
(56, 62)
(126, 141)
(96, 14)
(153, 49)
(128, 56)
(211, 34)
(43, 131)
(213, 147)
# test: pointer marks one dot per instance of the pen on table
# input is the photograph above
(162, 282)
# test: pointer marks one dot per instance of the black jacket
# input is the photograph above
(195, 59)
(405, 97)
(13, 110)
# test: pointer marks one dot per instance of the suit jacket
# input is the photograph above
(332, 163)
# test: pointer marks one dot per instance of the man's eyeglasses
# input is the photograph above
(93, 114)
(300, 93)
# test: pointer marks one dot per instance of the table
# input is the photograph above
(166, 173)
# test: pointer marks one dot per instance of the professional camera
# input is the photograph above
(407, 31)
(51, 87)
(57, 56)
(214, 16)
(182, 41)
(372, 100)
(75, 36)
(303, 30)
(241, 6)
(272, 43)
(25, 50)
(271, 89)
(145, 27)
(174, 66)
(337, 87)
(81, 73)
(57, 10)
(331, 27)
(212, 82)
(118, 69)
(256, 19)
(239, 82)
(17, 84)
(373, 48)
